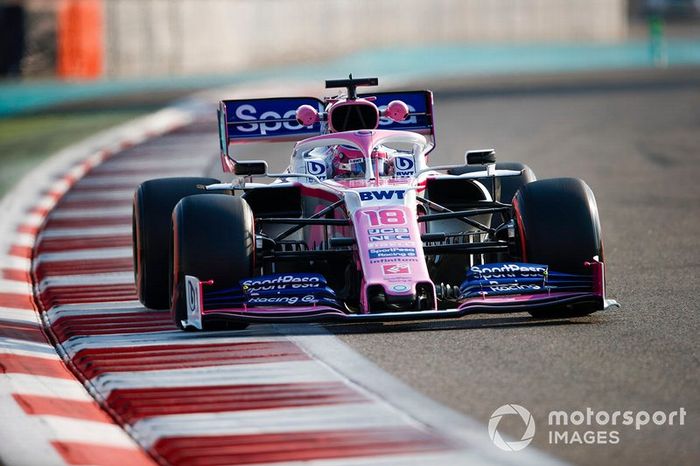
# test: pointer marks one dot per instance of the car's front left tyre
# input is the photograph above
(213, 238)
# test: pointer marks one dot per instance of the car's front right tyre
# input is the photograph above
(557, 224)
(153, 205)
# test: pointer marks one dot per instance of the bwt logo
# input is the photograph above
(404, 166)
(403, 163)
(382, 195)
(315, 168)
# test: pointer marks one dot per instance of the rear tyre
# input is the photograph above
(213, 239)
(153, 205)
(557, 224)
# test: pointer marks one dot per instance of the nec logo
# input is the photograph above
(382, 195)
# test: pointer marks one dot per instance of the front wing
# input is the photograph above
(306, 298)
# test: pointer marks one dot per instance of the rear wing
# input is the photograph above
(274, 119)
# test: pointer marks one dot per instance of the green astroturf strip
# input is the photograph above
(26, 140)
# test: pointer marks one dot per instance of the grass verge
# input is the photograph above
(27, 140)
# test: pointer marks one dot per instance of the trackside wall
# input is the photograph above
(184, 37)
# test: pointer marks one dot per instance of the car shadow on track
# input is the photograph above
(306, 329)
(500, 322)
(462, 324)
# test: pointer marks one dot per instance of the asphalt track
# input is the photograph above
(638, 147)
(635, 139)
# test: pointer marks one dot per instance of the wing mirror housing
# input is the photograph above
(480, 157)
(250, 168)
(396, 111)
(307, 115)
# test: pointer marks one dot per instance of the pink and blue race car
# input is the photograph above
(359, 227)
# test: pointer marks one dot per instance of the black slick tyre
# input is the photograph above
(557, 224)
(153, 205)
(213, 238)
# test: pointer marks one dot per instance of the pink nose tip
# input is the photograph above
(307, 115)
(396, 110)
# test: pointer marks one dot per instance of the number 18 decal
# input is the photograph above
(385, 217)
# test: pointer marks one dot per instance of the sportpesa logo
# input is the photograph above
(509, 410)
(494, 271)
(282, 120)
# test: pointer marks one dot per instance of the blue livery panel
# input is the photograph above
(250, 119)
(518, 278)
(290, 289)
(420, 106)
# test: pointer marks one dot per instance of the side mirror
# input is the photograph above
(307, 115)
(250, 168)
(480, 157)
(396, 110)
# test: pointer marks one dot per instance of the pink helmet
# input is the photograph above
(348, 162)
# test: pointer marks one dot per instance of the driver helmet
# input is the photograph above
(382, 165)
(348, 162)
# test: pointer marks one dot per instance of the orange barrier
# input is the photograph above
(80, 39)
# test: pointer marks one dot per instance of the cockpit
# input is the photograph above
(372, 155)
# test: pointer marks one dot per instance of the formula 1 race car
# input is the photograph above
(359, 227)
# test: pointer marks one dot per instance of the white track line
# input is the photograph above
(98, 181)
(19, 315)
(51, 233)
(147, 165)
(105, 195)
(465, 457)
(25, 439)
(91, 213)
(21, 239)
(174, 337)
(91, 309)
(16, 263)
(97, 433)
(27, 348)
(234, 374)
(33, 220)
(85, 255)
(65, 389)
(344, 416)
(14, 286)
(113, 278)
